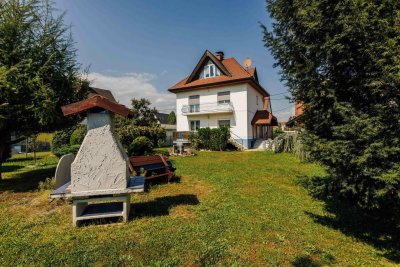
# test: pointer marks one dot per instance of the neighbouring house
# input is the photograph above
(169, 128)
(296, 120)
(221, 92)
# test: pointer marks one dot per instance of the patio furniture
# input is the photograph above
(155, 166)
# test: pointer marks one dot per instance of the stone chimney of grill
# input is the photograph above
(220, 55)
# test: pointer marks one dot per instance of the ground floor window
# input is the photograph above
(194, 125)
(224, 123)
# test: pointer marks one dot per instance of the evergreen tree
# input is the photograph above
(342, 59)
(172, 118)
(38, 71)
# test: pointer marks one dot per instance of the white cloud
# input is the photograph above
(134, 85)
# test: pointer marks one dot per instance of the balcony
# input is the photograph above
(207, 108)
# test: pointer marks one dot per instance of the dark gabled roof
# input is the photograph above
(96, 101)
(162, 118)
(102, 92)
(236, 74)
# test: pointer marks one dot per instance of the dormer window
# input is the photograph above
(209, 70)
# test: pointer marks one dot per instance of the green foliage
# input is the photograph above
(140, 146)
(47, 184)
(143, 114)
(61, 138)
(143, 123)
(172, 118)
(277, 132)
(127, 133)
(210, 139)
(66, 149)
(342, 61)
(38, 70)
(291, 143)
(78, 135)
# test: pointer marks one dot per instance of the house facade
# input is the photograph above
(221, 92)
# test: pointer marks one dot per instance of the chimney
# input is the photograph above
(220, 55)
(299, 108)
(266, 103)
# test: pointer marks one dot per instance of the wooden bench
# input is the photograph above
(155, 166)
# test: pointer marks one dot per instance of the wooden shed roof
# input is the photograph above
(96, 101)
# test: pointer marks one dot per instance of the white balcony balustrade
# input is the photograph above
(207, 108)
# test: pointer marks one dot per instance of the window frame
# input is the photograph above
(222, 94)
(196, 124)
(225, 120)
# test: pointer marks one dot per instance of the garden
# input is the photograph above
(223, 208)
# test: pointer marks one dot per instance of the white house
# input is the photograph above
(220, 92)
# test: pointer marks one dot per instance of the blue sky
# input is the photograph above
(141, 48)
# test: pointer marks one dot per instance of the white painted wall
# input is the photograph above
(243, 98)
(253, 106)
(238, 118)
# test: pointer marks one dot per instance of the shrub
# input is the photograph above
(140, 146)
(211, 139)
(78, 135)
(66, 149)
(47, 184)
(61, 138)
(128, 133)
(291, 143)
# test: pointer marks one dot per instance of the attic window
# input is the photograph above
(209, 70)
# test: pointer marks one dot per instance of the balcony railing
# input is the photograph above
(207, 108)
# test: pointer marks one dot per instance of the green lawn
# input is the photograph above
(226, 208)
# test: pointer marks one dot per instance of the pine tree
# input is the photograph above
(38, 71)
(172, 118)
(342, 59)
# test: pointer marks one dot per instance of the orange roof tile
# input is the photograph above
(238, 75)
(263, 117)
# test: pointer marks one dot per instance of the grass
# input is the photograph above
(226, 208)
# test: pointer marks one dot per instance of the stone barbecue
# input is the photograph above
(101, 168)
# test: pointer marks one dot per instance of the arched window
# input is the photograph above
(209, 70)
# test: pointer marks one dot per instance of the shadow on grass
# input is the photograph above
(304, 261)
(161, 206)
(365, 226)
(27, 181)
(11, 168)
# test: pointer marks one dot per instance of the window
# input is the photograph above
(257, 100)
(194, 125)
(224, 123)
(209, 70)
(194, 103)
(224, 97)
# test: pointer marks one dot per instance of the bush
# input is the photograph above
(211, 139)
(291, 143)
(61, 138)
(78, 135)
(140, 146)
(66, 149)
(128, 133)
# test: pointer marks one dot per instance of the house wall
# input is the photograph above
(253, 104)
(239, 118)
